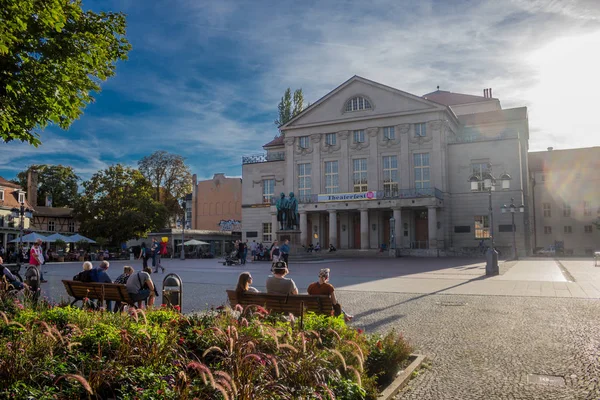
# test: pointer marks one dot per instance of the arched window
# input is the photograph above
(358, 103)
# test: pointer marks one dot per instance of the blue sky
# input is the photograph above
(204, 77)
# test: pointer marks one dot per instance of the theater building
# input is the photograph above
(372, 165)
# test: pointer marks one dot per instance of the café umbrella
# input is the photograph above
(30, 238)
(194, 242)
(78, 238)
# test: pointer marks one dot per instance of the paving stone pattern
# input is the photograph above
(486, 348)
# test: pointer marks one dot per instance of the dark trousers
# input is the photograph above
(285, 256)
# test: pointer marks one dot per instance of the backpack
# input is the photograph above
(84, 276)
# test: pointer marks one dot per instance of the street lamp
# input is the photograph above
(21, 212)
(489, 185)
(513, 209)
(183, 230)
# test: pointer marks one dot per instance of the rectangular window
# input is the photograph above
(478, 169)
(389, 133)
(547, 210)
(568, 229)
(390, 175)
(304, 142)
(330, 139)
(332, 184)
(482, 227)
(566, 210)
(421, 166)
(304, 180)
(359, 136)
(268, 190)
(360, 175)
(21, 197)
(267, 232)
(51, 226)
(1, 195)
(71, 226)
(420, 130)
(547, 230)
(588, 229)
(587, 209)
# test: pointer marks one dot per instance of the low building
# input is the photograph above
(367, 152)
(11, 196)
(566, 196)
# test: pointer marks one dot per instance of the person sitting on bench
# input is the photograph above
(243, 284)
(10, 278)
(278, 283)
(140, 287)
(323, 287)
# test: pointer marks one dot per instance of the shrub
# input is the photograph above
(386, 354)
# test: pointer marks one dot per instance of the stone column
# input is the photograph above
(303, 227)
(274, 225)
(333, 227)
(432, 226)
(398, 226)
(364, 228)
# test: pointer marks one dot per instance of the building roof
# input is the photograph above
(5, 183)
(564, 159)
(53, 211)
(451, 99)
(509, 114)
(276, 142)
(11, 195)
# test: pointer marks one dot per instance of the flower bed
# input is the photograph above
(49, 352)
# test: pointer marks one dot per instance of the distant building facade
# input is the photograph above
(367, 152)
(216, 204)
(11, 196)
(566, 195)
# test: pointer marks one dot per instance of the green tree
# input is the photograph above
(117, 204)
(170, 177)
(56, 181)
(52, 56)
(287, 108)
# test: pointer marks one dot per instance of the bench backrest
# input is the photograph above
(283, 303)
(94, 290)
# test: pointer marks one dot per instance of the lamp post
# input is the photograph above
(183, 230)
(513, 209)
(21, 212)
(392, 233)
(489, 185)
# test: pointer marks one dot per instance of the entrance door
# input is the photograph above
(421, 230)
(356, 225)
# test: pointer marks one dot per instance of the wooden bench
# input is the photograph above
(99, 291)
(296, 304)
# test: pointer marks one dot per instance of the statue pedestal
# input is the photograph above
(297, 252)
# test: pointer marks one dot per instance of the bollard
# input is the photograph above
(172, 291)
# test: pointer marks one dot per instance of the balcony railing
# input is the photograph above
(382, 195)
(261, 158)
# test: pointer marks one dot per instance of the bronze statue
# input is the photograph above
(281, 205)
(292, 215)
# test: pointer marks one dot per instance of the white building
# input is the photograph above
(367, 152)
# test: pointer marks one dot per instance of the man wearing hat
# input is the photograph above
(278, 283)
(323, 287)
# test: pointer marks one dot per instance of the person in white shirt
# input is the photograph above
(36, 258)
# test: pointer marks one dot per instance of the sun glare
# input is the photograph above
(563, 100)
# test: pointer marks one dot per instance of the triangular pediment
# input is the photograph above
(384, 101)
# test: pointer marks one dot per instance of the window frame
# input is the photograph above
(362, 175)
(1, 194)
(304, 179)
(358, 103)
(420, 183)
(304, 142)
(329, 136)
(71, 226)
(332, 177)
(266, 197)
(481, 231)
(588, 229)
(587, 209)
(389, 133)
(547, 211)
(21, 197)
(482, 168)
(421, 129)
(547, 230)
(390, 175)
(267, 232)
(566, 210)
(569, 230)
(53, 228)
(358, 134)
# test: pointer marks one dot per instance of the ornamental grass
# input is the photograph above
(60, 352)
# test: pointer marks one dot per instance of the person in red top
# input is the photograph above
(323, 287)
(36, 258)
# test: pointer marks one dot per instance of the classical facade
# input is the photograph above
(372, 165)
(566, 193)
(216, 204)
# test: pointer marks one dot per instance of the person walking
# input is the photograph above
(285, 251)
(144, 255)
(275, 252)
(36, 258)
(156, 256)
(242, 252)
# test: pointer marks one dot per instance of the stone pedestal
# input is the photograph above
(297, 252)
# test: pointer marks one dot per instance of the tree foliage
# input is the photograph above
(52, 56)
(56, 181)
(170, 177)
(117, 204)
(288, 109)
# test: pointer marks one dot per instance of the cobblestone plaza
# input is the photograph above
(486, 338)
